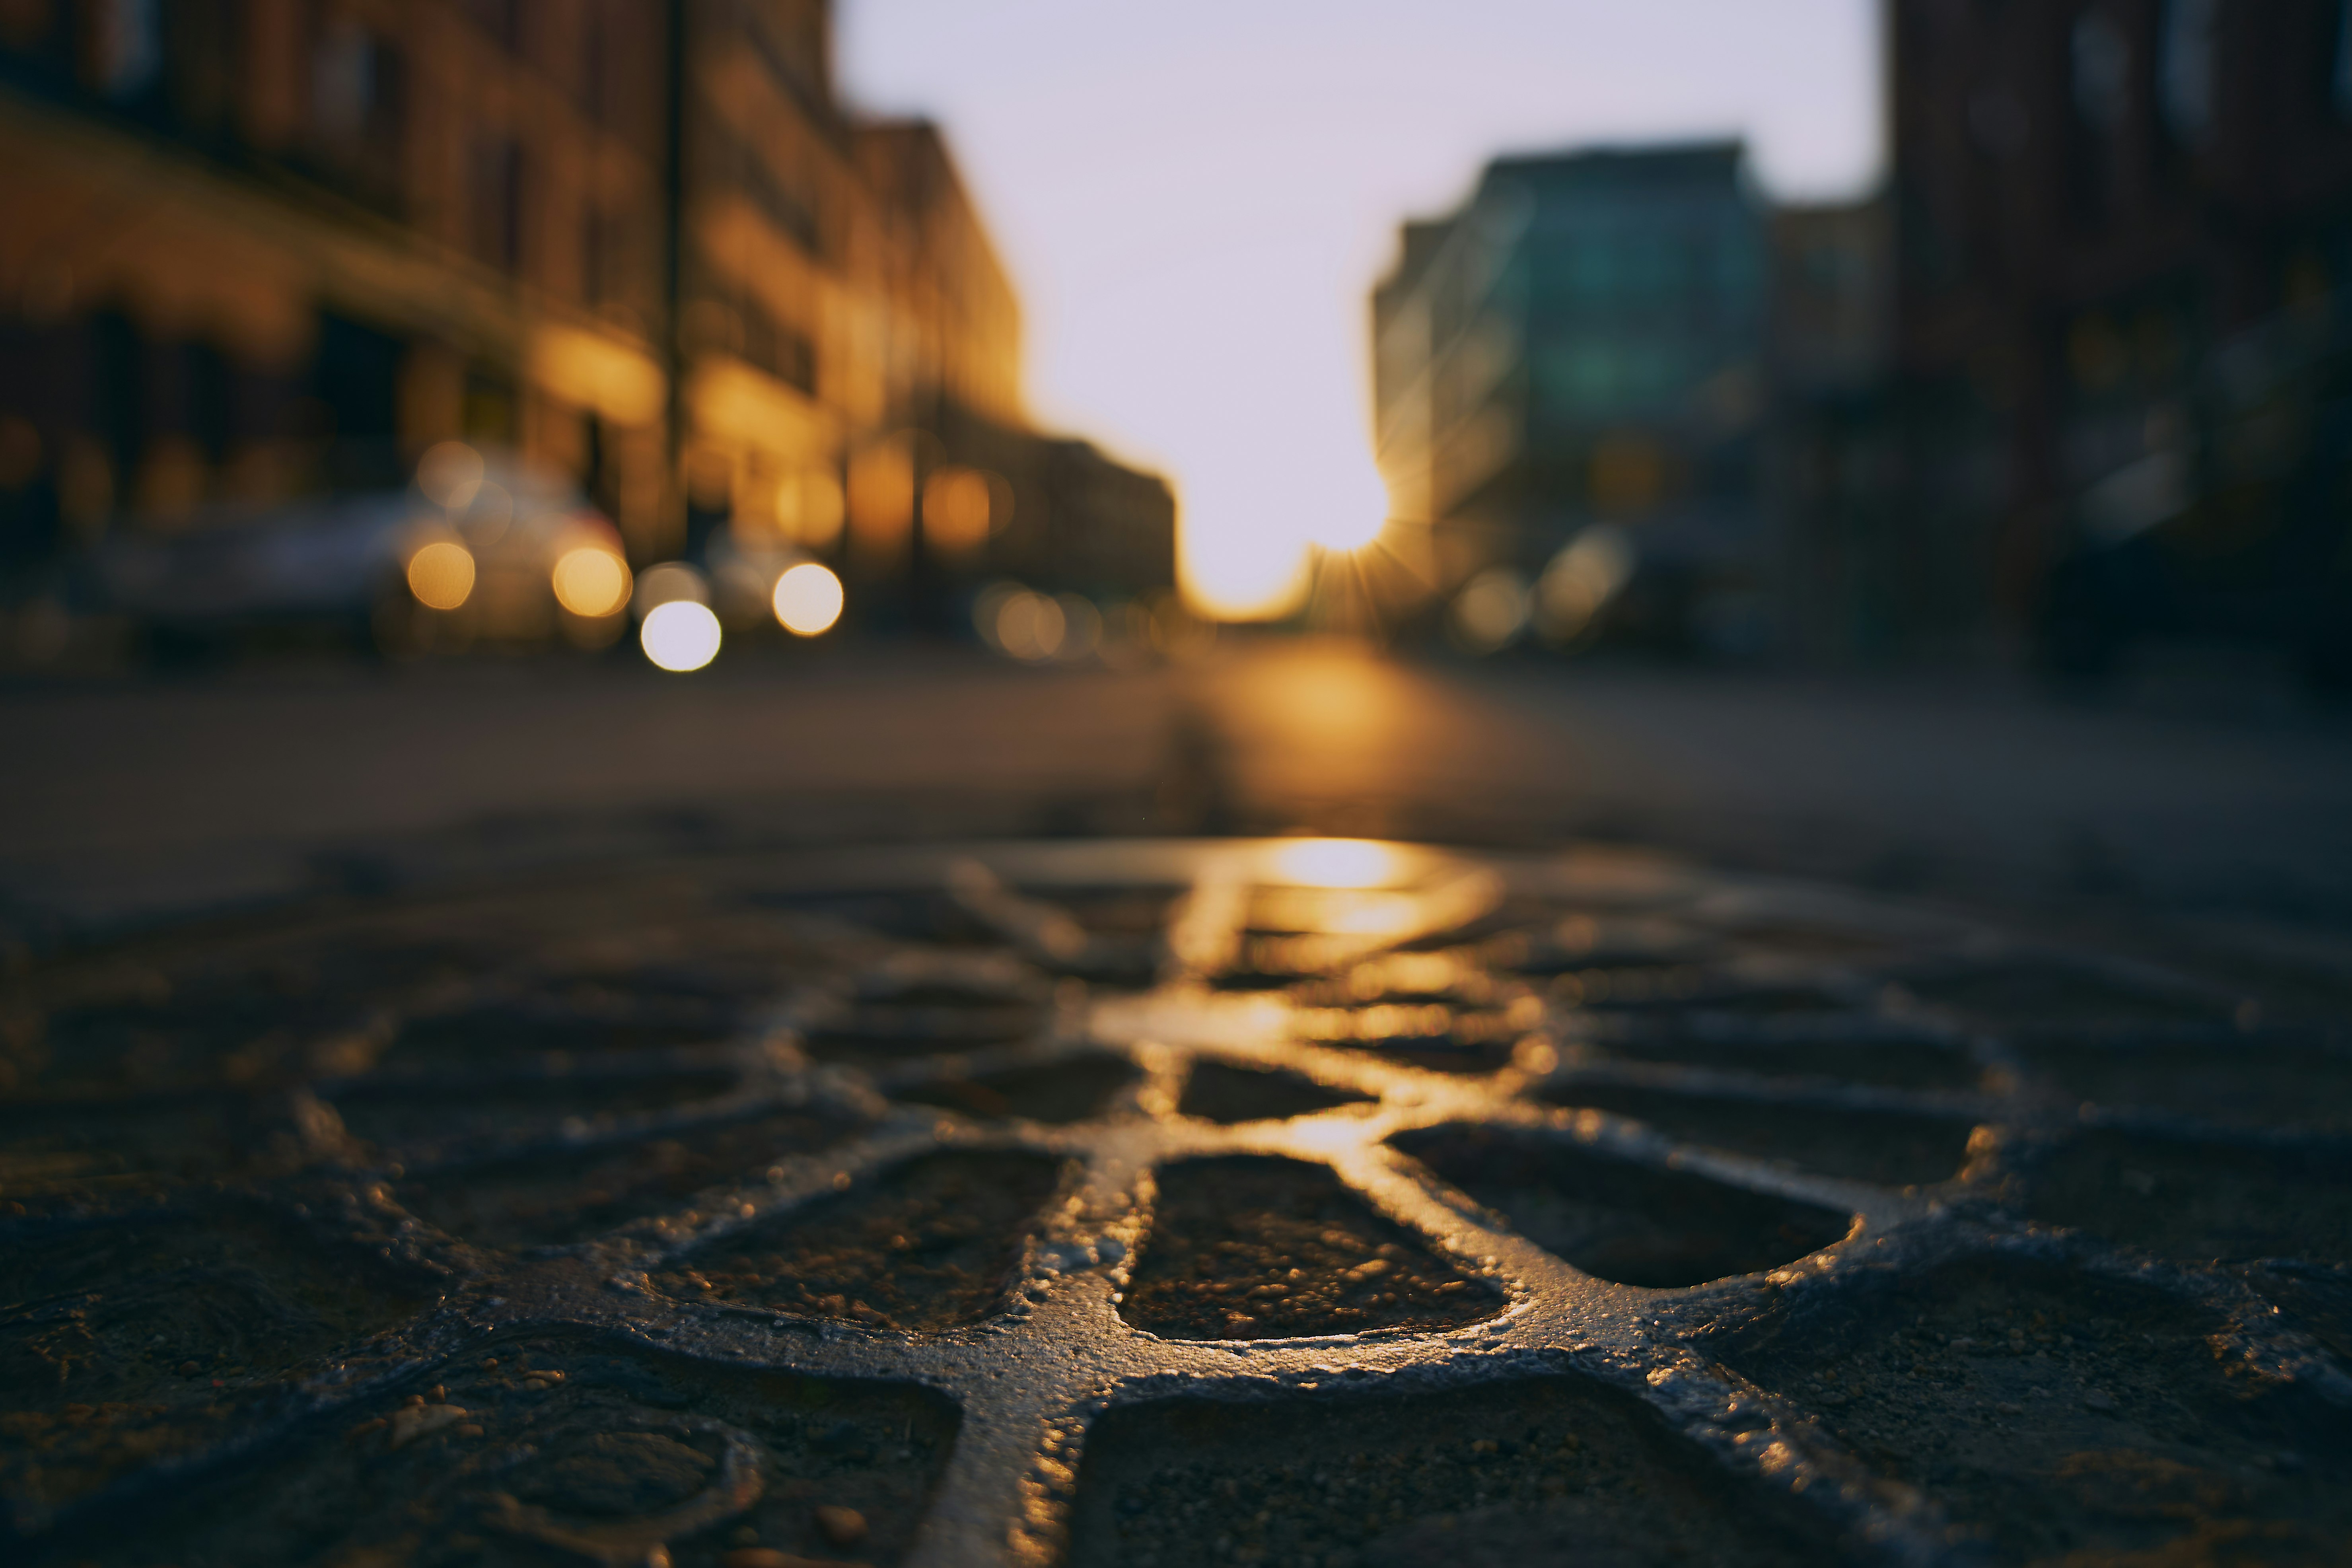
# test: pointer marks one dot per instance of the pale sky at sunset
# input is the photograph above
(1195, 198)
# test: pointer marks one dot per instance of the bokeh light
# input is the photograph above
(449, 473)
(590, 581)
(1491, 610)
(807, 599)
(1030, 626)
(1082, 626)
(1581, 582)
(666, 584)
(441, 576)
(958, 514)
(680, 635)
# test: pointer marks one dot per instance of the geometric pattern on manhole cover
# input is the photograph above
(1164, 1203)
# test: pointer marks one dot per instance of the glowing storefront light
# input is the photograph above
(680, 635)
(807, 599)
(591, 581)
(441, 576)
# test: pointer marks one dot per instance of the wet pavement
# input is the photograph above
(1175, 1201)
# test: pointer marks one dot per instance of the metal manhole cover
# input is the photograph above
(1290, 1202)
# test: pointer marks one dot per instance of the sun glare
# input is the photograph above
(1249, 533)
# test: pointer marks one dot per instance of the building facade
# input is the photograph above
(1830, 443)
(2122, 229)
(259, 248)
(1581, 345)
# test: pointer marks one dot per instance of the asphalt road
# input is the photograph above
(125, 798)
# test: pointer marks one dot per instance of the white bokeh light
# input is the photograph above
(680, 635)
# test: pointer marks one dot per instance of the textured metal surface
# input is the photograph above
(1285, 1202)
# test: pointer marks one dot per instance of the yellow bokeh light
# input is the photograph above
(441, 576)
(808, 599)
(590, 581)
(958, 514)
(1336, 863)
(680, 635)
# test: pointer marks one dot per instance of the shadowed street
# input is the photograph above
(138, 798)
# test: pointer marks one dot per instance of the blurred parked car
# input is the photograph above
(481, 549)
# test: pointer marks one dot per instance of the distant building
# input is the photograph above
(2121, 229)
(1831, 469)
(1583, 345)
(259, 247)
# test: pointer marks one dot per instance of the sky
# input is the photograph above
(1195, 198)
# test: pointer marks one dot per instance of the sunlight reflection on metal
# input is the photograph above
(1336, 863)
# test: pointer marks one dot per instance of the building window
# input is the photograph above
(355, 86)
(781, 350)
(126, 46)
(502, 20)
(2339, 76)
(757, 181)
(2102, 72)
(2184, 72)
(498, 203)
(595, 62)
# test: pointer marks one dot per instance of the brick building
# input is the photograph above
(2094, 202)
(262, 247)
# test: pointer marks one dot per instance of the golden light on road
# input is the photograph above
(590, 581)
(680, 635)
(441, 576)
(1336, 863)
(807, 599)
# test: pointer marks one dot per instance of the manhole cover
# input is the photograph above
(1292, 1202)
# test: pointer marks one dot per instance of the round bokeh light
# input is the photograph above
(680, 635)
(441, 576)
(590, 581)
(807, 599)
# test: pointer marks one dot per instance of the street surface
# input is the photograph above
(139, 796)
